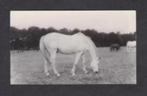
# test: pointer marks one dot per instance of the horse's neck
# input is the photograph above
(92, 50)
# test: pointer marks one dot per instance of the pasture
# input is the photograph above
(26, 67)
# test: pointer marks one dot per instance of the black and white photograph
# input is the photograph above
(73, 47)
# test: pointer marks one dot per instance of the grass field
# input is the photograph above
(115, 68)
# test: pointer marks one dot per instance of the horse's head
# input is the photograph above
(94, 65)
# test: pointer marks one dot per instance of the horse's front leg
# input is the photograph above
(83, 63)
(78, 55)
(52, 59)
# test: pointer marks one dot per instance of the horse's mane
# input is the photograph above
(93, 44)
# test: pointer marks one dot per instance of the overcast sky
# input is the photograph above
(102, 21)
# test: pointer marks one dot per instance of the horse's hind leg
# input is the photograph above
(45, 55)
(46, 70)
(83, 62)
(46, 61)
(52, 59)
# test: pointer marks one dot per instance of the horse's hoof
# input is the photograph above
(73, 74)
(58, 75)
(47, 73)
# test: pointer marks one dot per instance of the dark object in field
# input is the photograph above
(114, 47)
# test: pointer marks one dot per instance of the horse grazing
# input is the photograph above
(131, 46)
(114, 47)
(77, 44)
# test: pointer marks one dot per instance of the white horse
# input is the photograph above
(131, 46)
(78, 44)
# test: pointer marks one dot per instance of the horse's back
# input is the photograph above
(62, 37)
(55, 35)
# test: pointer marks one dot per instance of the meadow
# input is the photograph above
(26, 67)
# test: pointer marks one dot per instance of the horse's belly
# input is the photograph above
(70, 49)
(67, 50)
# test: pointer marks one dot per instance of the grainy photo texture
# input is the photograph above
(73, 47)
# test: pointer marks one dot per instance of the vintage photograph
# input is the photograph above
(73, 47)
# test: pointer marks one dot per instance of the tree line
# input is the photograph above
(29, 38)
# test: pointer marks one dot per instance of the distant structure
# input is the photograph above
(131, 46)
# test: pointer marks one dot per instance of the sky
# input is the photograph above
(123, 21)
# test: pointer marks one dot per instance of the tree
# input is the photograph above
(29, 38)
(76, 30)
(51, 29)
(114, 38)
(64, 31)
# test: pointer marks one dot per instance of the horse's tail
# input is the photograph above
(43, 49)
